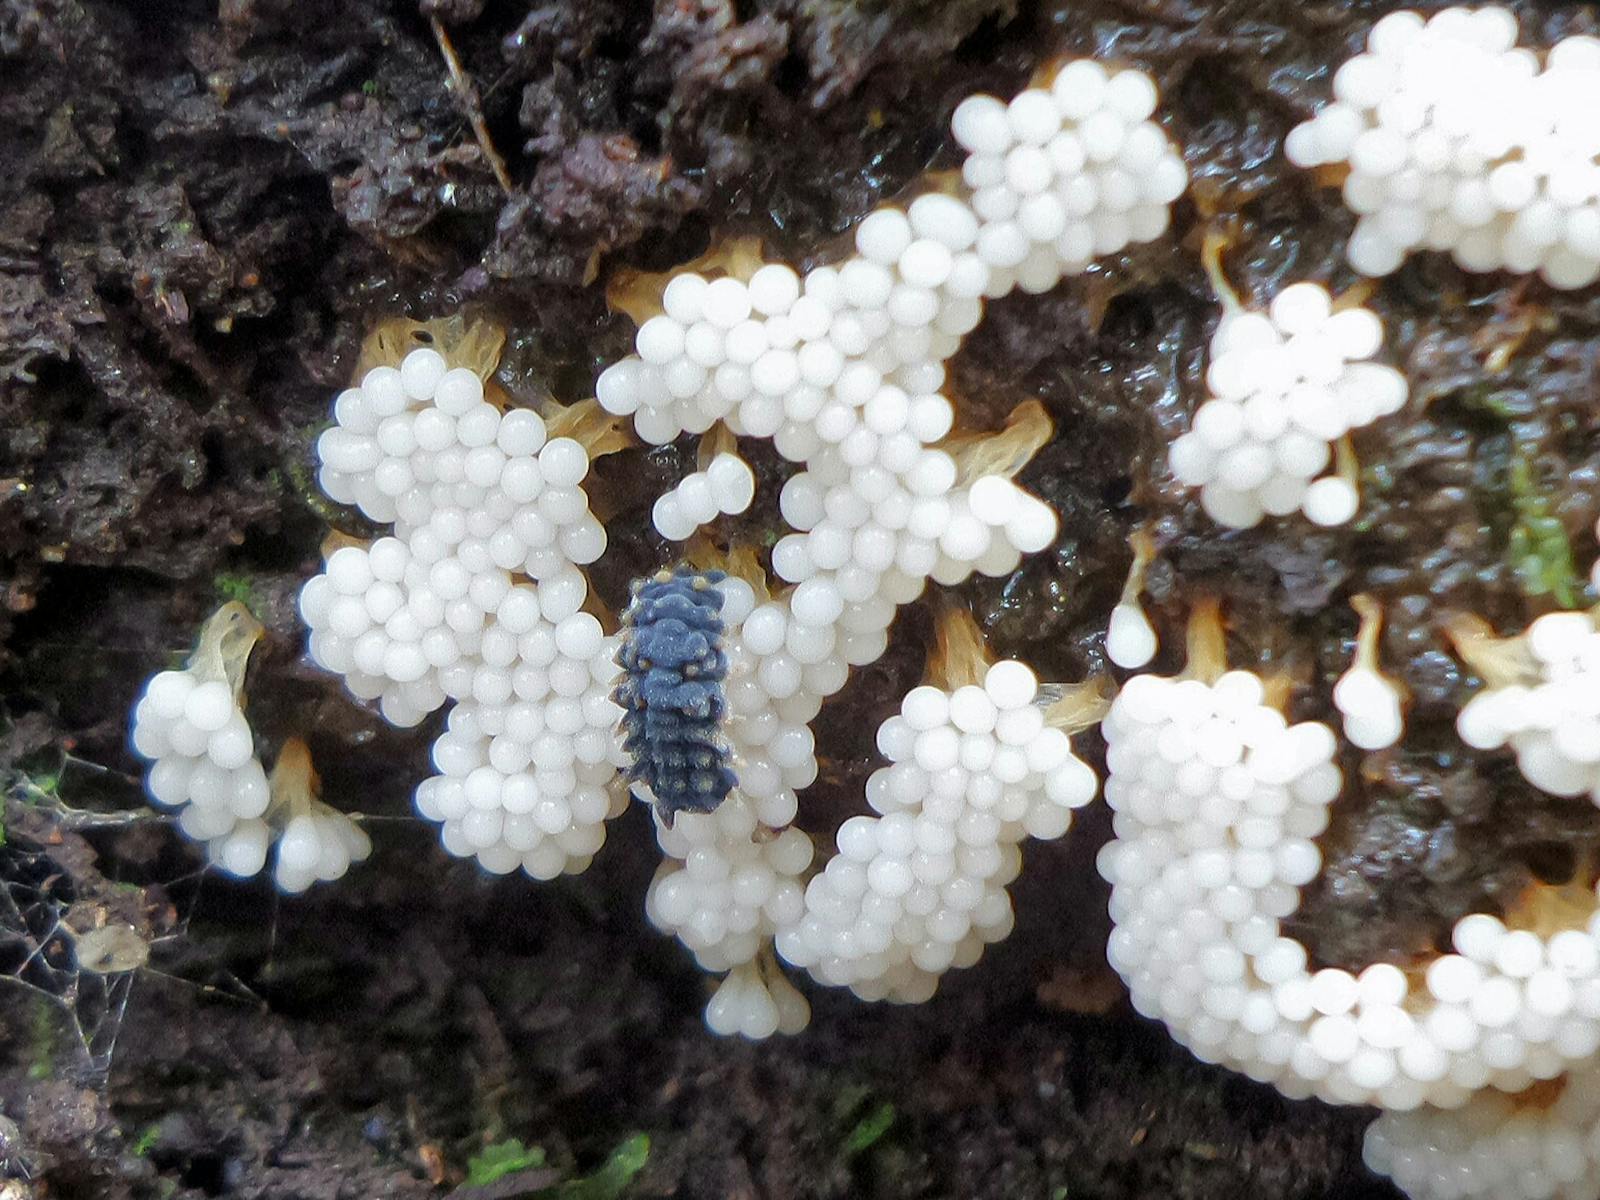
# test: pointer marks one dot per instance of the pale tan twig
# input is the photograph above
(467, 93)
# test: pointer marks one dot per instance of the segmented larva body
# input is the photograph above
(671, 691)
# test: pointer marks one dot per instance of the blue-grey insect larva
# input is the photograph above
(671, 694)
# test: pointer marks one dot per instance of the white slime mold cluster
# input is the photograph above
(1458, 141)
(920, 887)
(1064, 175)
(726, 486)
(842, 369)
(1284, 385)
(1543, 1142)
(190, 725)
(1545, 704)
(1217, 801)
(1533, 1147)
(476, 599)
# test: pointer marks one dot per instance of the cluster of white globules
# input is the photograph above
(843, 368)
(1053, 179)
(189, 725)
(725, 487)
(1283, 385)
(476, 599)
(1063, 175)
(1458, 141)
(1216, 803)
(732, 878)
(204, 764)
(724, 892)
(1495, 1146)
(756, 1002)
(1551, 721)
(920, 888)
(314, 846)
(1370, 705)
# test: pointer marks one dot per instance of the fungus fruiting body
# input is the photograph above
(1283, 386)
(1459, 141)
(671, 691)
